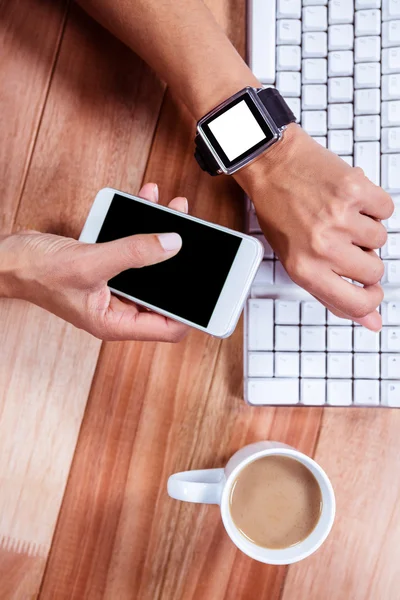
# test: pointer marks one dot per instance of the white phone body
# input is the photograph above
(234, 290)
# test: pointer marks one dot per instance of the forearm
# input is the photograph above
(182, 42)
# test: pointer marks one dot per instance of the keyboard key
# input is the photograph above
(366, 392)
(340, 141)
(392, 247)
(390, 34)
(314, 70)
(341, 11)
(289, 9)
(368, 22)
(392, 272)
(281, 276)
(315, 2)
(391, 139)
(391, 312)
(313, 364)
(314, 122)
(390, 339)
(366, 366)
(260, 324)
(390, 393)
(313, 313)
(288, 58)
(390, 60)
(365, 340)
(265, 273)
(367, 75)
(390, 366)
(340, 116)
(340, 365)
(287, 364)
(314, 97)
(339, 392)
(367, 49)
(254, 225)
(287, 312)
(367, 156)
(340, 37)
(340, 339)
(393, 223)
(268, 252)
(360, 4)
(315, 18)
(260, 364)
(313, 339)
(287, 337)
(262, 27)
(340, 63)
(313, 392)
(391, 173)
(367, 128)
(367, 102)
(390, 10)
(340, 89)
(391, 113)
(294, 105)
(288, 32)
(334, 320)
(348, 160)
(321, 140)
(273, 391)
(288, 83)
(315, 44)
(391, 87)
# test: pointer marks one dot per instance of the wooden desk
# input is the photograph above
(89, 433)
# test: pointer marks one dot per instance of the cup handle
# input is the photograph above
(205, 486)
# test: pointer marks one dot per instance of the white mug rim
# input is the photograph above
(258, 552)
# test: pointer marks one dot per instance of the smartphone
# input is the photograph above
(205, 285)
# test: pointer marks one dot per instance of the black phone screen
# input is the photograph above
(187, 285)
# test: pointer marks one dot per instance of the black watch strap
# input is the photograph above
(277, 108)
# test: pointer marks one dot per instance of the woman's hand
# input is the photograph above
(69, 278)
(322, 218)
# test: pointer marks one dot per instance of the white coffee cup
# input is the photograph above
(213, 486)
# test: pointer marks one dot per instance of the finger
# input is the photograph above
(124, 322)
(149, 191)
(352, 300)
(180, 204)
(363, 266)
(373, 321)
(107, 259)
(368, 232)
(375, 201)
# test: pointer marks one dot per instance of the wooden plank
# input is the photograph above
(97, 127)
(359, 451)
(29, 39)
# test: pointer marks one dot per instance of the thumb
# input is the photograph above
(133, 252)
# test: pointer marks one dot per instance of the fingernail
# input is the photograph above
(186, 209)
(170, 241)
(155, 192)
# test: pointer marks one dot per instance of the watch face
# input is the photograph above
(237, 130)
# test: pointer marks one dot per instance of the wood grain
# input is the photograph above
(30, 34)
(96, 129)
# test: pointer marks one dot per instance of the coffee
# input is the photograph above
(275, 502)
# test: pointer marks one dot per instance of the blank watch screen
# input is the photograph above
(237, 130)
(187, 285)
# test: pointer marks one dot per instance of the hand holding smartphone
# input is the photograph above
(205, 285)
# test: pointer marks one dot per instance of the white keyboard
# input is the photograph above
(338, 67)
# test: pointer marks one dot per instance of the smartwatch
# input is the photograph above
(240, 129)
